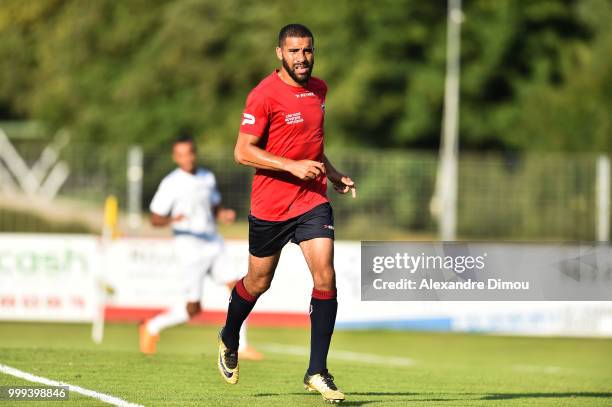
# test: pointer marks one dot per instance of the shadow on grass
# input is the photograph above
(432, 398)
(351, 402)
(505, 396)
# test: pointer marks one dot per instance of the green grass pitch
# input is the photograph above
(447, 369)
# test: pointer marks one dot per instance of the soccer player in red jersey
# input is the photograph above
(281, 135)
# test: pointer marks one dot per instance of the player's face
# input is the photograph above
(297, 56)
(184, 155)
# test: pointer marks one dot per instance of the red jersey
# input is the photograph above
(289, 122)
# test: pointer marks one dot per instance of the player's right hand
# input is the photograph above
(306, 169)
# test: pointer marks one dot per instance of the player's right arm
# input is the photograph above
(247, 152)
(161, 205)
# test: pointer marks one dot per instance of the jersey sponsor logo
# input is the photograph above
(248, 119)
(304, 95)
(294, 118)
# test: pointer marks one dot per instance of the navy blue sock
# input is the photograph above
(323, 308)
(240, 306)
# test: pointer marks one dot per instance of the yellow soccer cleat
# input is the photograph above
(227, 361)
(324, 383)
(148, 342)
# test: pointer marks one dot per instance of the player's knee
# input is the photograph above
(193, 309)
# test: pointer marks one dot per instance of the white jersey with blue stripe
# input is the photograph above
(192, 195)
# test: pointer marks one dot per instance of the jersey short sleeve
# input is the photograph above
(323, 88)
(162, 200)
(255, 116)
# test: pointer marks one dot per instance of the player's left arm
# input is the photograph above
(341, 182)
(224, 215)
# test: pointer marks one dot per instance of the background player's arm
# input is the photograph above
(163, 202)
(160, 221)
(341, 182)
(247, 152)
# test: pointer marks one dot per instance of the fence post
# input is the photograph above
(603, 198)
(446, 182)
(134, 193)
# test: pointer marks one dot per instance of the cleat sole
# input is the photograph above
(330, 401)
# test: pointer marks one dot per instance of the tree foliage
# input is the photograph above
(535, 75)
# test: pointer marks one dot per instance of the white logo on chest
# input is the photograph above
(294, 118)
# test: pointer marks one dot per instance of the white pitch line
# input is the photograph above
(116, 401)
(367, 358)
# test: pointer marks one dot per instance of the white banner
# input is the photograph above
(51, 278)
(146, 273)
(47, 277)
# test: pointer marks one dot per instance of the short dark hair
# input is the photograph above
(183, 136)
(294, 30)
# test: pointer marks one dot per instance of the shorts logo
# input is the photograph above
(330, 227)
(248, 119)
(294, 118)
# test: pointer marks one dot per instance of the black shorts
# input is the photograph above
(267, 237)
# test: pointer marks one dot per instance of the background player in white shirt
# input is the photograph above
(188, 200)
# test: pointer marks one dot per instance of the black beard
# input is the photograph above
(294, 76)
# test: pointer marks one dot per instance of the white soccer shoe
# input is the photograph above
(227, 361)
(324, 383)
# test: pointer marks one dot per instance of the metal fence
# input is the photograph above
(510, 197)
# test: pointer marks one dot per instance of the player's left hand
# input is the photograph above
(343, 184)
